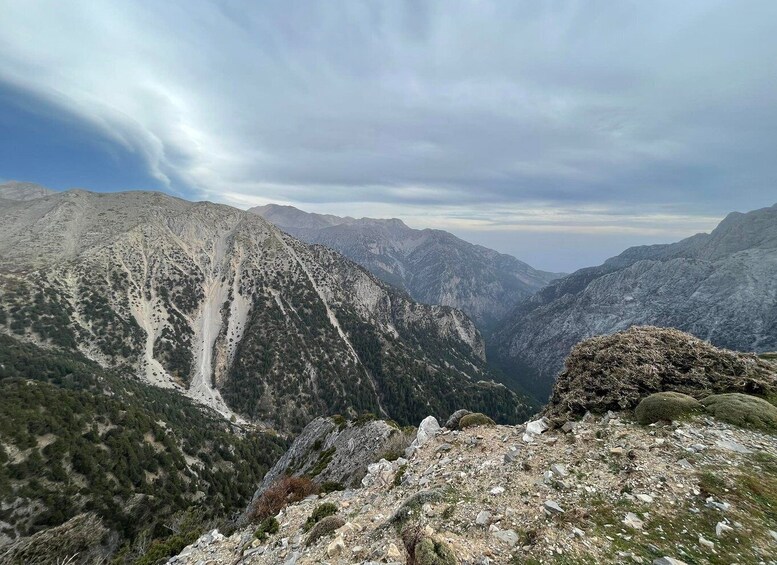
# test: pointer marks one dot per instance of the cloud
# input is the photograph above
(461, 108)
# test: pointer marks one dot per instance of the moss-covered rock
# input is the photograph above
(323, 528)
(666, 406)
(742, 410)
(476, 419)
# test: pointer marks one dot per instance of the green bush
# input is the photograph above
(432, 551)
(476, 419)
(742, 410)
(321, 512)
(325, 527)
(268, 526)
(426, 550)
(665, 406)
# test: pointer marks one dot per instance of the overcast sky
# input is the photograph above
(560, 132)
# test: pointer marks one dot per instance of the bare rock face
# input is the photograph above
(240, 316)
(615, 372)
(330, 450)
(719, 287)
(433, 266)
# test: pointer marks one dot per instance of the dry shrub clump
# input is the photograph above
(615, 372)
(285, 490)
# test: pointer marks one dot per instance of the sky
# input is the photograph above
(560, 132)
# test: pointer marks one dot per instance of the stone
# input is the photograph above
(427, 429)
(552, 507)
(633, 521)
(616, 451)
(510, 537)
(668, 561)
(455, 418)
(336, 547)
(483, 518)
(706, 543)
(732, 446)
(646, 498)
(534, 429)
(559, 470)
(393, 553)
(496, 491)
(568, 427)
(722, 528)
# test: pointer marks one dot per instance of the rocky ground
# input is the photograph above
(601, 490)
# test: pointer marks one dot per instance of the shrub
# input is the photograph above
(396, 444)
(282, 492)
(268, 526)
(325, 527)
(742, 410)
(476, 419)
(413, 504)
(331, 486)
(426, 550)
(321, 511)
(665, 406)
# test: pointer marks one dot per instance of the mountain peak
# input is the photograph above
(23, 191)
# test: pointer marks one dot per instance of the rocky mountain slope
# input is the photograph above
(718, 286)
(222, 305)
(433, 266)
(600, 488)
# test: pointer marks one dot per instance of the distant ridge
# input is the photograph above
(22, 191)
(432, 266)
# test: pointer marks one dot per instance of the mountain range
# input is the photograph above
(433, 266)
(223, 306)
(719, 286)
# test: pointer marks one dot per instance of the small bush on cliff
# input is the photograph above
(476, 419)
(742, 410)
(665, 406)
(426, 550)
(321, 511)
(325, 527)
(268, 526)
(284, 491)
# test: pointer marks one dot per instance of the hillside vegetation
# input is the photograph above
(75, 438)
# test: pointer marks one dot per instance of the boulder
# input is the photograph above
(453, 421)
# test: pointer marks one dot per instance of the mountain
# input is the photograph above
(220, 304)
(14, 190)
(720, 287)
(432, 266)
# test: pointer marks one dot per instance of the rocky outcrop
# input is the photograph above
(615, 372)
(719, 287)
(433, 266)
(331, 450)
(240, 316)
